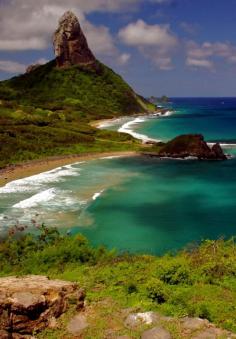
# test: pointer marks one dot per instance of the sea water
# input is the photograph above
(139, 204)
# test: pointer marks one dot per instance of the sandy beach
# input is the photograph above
(29, 168)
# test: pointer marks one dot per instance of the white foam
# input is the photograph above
(228, 145)
(112, 157)
(31, 183)
(224, 145)
(97, 195)
(36, 199)
(126, 128)
(168, 113)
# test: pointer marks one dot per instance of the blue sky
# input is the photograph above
(172, 47)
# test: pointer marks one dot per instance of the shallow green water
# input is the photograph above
(144, 205)
(138, 204)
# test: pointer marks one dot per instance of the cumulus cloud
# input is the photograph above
(30, 25)
(141, 34)
(156, 42)
(206, 54)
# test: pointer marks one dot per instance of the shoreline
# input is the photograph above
(29, 168)
(33, 167)
(135, 119)
(98, 123)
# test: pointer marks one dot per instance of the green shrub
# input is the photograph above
(157, 291)
(175, 271)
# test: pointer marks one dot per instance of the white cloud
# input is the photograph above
(199, 63)
(11, 67)
(206, 54)
(41, 61)
(99, 39)
(30, 25)
(124, 58)
(142, 34)
(36, 43)
(16, 67)
(156, 42)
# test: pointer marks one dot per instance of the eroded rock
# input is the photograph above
(28, 304)
(70, 44)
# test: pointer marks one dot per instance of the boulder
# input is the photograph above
(135, 319)
(156, 333)
(70, 44)
(77, 325)
(189, 145)
(30, 304)
(193, 324)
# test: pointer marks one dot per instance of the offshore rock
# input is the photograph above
(29, 304)
(70, 44)
(190, 145)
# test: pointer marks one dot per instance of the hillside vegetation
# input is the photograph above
(199, 281)
(92, 93)
(47, 112)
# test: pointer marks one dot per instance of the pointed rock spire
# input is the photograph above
(70, 43)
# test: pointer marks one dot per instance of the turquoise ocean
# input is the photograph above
(139, 204)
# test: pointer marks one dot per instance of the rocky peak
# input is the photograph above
(70, 43)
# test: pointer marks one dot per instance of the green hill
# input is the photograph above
(93, 93)
(47, 112)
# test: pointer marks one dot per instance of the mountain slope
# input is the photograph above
(96, 93)
(46, 111)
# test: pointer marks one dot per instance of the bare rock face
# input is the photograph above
(28, 304)
(70, 44)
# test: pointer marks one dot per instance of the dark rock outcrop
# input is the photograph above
(29, 304)
(70, 44)
(190, 145)
(33, 67)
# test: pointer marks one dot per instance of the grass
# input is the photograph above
(198, 282)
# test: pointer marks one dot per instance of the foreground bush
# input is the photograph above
(197, 282)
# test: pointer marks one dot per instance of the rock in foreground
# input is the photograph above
(190, 145)
(28, 304)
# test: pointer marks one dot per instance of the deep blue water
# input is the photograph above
(215, 118)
